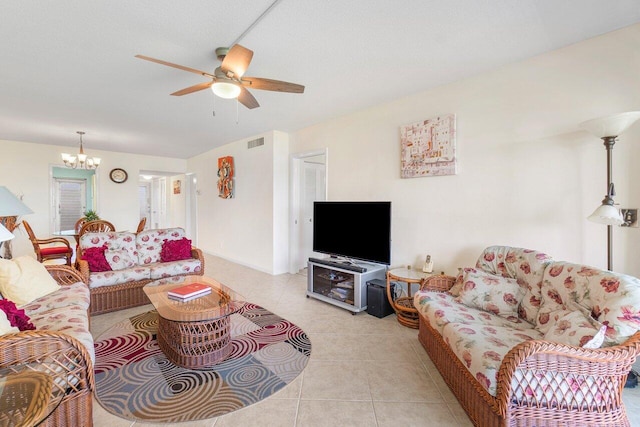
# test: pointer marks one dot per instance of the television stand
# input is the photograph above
(342, 283)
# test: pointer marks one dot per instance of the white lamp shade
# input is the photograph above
(606, 214)
(5, 234)
(10, 205)
(225, 89)
(611, 125)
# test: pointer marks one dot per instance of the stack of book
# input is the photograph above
(189, 292)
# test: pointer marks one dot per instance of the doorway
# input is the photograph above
(72, 195)
(309, 184)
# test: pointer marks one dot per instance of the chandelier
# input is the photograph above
(81, 160)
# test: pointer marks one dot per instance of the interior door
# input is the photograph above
(144, 200)
(313, 188)
(70, 201)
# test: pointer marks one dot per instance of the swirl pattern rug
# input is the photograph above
(134, 380)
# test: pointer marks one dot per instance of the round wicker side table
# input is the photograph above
(406, 313)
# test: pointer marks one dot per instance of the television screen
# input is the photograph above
(359, 230)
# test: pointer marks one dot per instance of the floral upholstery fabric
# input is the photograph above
(440, 309)
(576, 329)
(610, 298)
(119, 259)
(149, 243)
(112, 239)
(525, 265)
(489, 292)
(165, 269)
(72, 320)
(481, 347)
(76, 294)
(108, 278)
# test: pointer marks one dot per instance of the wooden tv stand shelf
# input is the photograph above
(341, 285)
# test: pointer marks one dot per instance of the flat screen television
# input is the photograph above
(358, 230)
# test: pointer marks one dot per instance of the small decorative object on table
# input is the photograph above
(189, 292)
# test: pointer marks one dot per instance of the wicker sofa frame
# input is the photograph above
(609, 366)
(62, 356)
(106, 299)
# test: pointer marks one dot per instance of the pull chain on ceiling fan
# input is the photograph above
(228, 81)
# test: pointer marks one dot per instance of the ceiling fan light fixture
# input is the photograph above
(226, 89)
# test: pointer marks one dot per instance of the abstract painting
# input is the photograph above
(225, 177)
(428, 148)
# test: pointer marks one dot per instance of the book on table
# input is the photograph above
(192, 290)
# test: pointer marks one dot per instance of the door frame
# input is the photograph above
(295, 210)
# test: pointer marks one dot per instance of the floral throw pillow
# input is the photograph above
(119, 259)
(175, 250)
(16, 317)
(96, 259)
(574, 328)
(495, 294)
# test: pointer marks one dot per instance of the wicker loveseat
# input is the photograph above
(61, 346)
(134, 260)
(560, 357)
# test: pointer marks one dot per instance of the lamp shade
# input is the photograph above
(5, 234)
(10, 205)
(606, 214)
(225, 89)
(611, 125)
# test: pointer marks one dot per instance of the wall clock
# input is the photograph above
(118, 175)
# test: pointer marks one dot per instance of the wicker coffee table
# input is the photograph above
(194, 334)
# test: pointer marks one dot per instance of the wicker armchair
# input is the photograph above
(59, 355)
(141, 224)
(44, 252)
(96, 226)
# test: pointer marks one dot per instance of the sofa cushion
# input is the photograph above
(149, 243)
(440, 308)
(175, 250)
(119, 259)
(609, 297)
(165, 269)
(489, 292)
(525, 265)
(481, 348)
(576, 329)
(74, 294)
(5, 325)
(96, 258)
(113, 239)
(24, 279)
(72, 320)
(108, 278)
(16, 316)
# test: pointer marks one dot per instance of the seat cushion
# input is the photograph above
(75, 294)
(108, 278)
(481, 348)
(55, 250)
(161, 270)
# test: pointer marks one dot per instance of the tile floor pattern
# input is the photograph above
(363, 371)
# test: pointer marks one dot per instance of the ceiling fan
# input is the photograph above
(228, 81)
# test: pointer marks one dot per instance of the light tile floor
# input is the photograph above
(363, 371)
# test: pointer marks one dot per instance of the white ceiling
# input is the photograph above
(69, 65)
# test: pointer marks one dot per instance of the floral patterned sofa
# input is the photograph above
(522, 339)
(116, 265)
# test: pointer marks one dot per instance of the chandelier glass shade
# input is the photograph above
(81, 160)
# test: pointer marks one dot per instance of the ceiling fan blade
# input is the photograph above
(269, 84)
(194, 88)
(237, 61)
(179, 67)
(245, 98)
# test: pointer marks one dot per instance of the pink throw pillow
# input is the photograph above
(96, 259)
(175, 250)
(16, 317)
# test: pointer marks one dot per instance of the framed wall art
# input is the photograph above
(177, 186)
(225, 177)
(428, 148)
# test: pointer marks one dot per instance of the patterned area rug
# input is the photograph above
(134, 380)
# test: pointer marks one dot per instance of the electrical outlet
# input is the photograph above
(630, 217)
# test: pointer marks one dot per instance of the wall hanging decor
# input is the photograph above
(177, 186)
(225, 177)
(428, 148)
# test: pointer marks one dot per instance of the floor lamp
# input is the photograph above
(10, 208)
(608, 129)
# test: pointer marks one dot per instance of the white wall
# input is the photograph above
(24, 169)
(251, 227)
(528, 176)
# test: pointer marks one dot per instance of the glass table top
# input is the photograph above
(222, 301)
